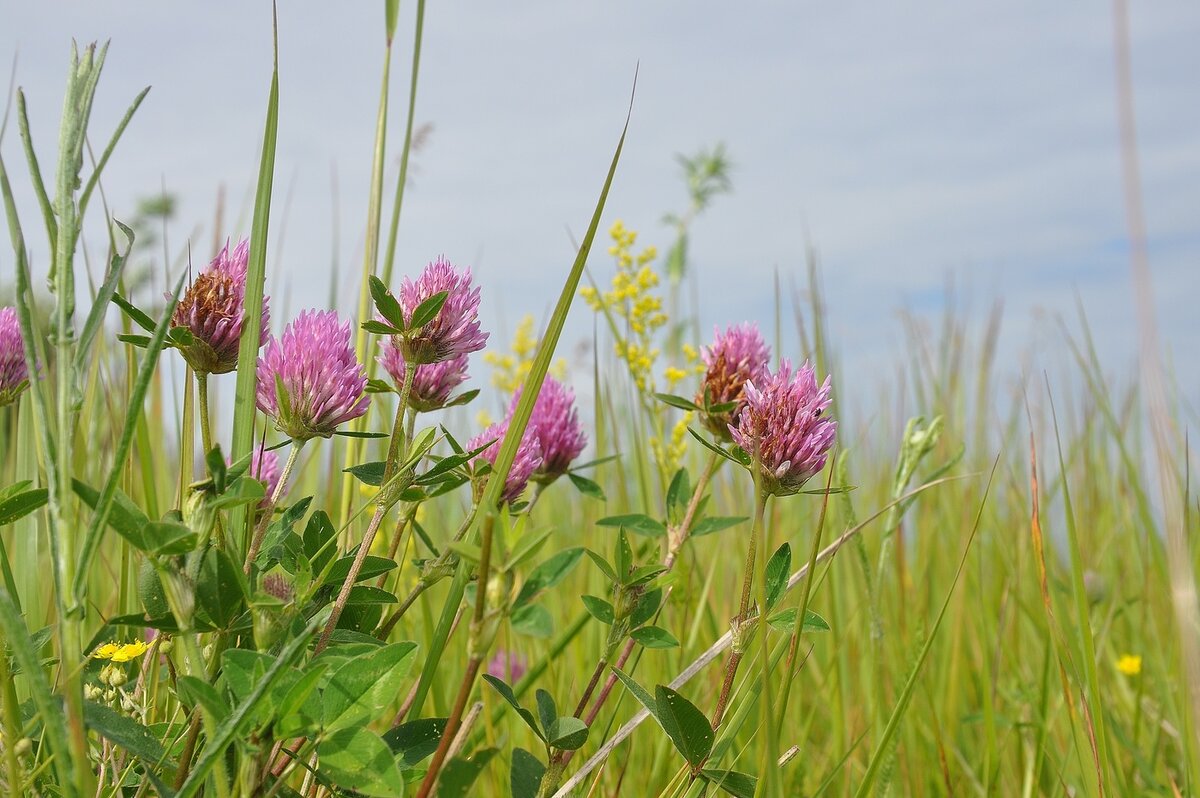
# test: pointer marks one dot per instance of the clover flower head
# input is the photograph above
(432, 382)
(213, 311)
(309, 381)
(784, 426)
(526, 462)
(14, 373)
(555, 423)
(737, 356)
(455, 330)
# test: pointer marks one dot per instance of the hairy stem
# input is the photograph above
(477, 648)
(396, 450)
(735, 657)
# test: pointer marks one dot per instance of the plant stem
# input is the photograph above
(477, 651)
(735, 656)
(396, 450)
(205, 427)
(11, 719)
(676, 537)
(260, 530)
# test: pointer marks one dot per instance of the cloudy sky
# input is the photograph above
(911, 144)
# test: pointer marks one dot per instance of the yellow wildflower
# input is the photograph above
(121, 652)
(1130, 664)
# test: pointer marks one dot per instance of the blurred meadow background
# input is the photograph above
(926, 202)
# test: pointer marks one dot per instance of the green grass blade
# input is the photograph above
(16, 635)
(99, 523)
(893, 724)
(95, 318)
(1083, 620)
(94, 179)
(35, 170)
(243, 401)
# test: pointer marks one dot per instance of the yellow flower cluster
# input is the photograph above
(630, 297)
(510, 370)
(692, 364)
(670, 456)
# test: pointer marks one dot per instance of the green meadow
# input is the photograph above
(956, 578)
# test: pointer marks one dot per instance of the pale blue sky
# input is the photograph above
(909, 142)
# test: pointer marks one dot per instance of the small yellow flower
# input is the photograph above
(121, 652)
(130, 651)
(1130, 664)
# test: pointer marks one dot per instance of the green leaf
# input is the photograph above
(138, 317)
(126, 733)
(547, 711)
(220, 592)
(604, 566)
(635, 522)
(677, 401)
(654, 637)
(712, 447)
(599, 609)
(777, 570)
(386, 304)
(533, 620)
(785, 621)
(567, 733)
(501, 687)
(299, 710)
(678, 495)
(199, 693)
(242, 669)
(372, 566)
(21, 505)
(646, 607)
(427, 311)
(622, 557)
(415, 740)
(644, 574)
(643, 697)
(363, 687)
(368, 473)
(548, 574)
(358, 759)
(379, 328)
(685, 724)
(167, 538)
(586, 486)
(527, 773)
(741, 785)
(460, 774)
(715, 524)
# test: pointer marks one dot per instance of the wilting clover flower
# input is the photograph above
(213, 311)
(784, 425)
(527, 460)
(309, 381)
(736, 356)
(432, 382)
(14, 374)
(455, 329)
(555, 423)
